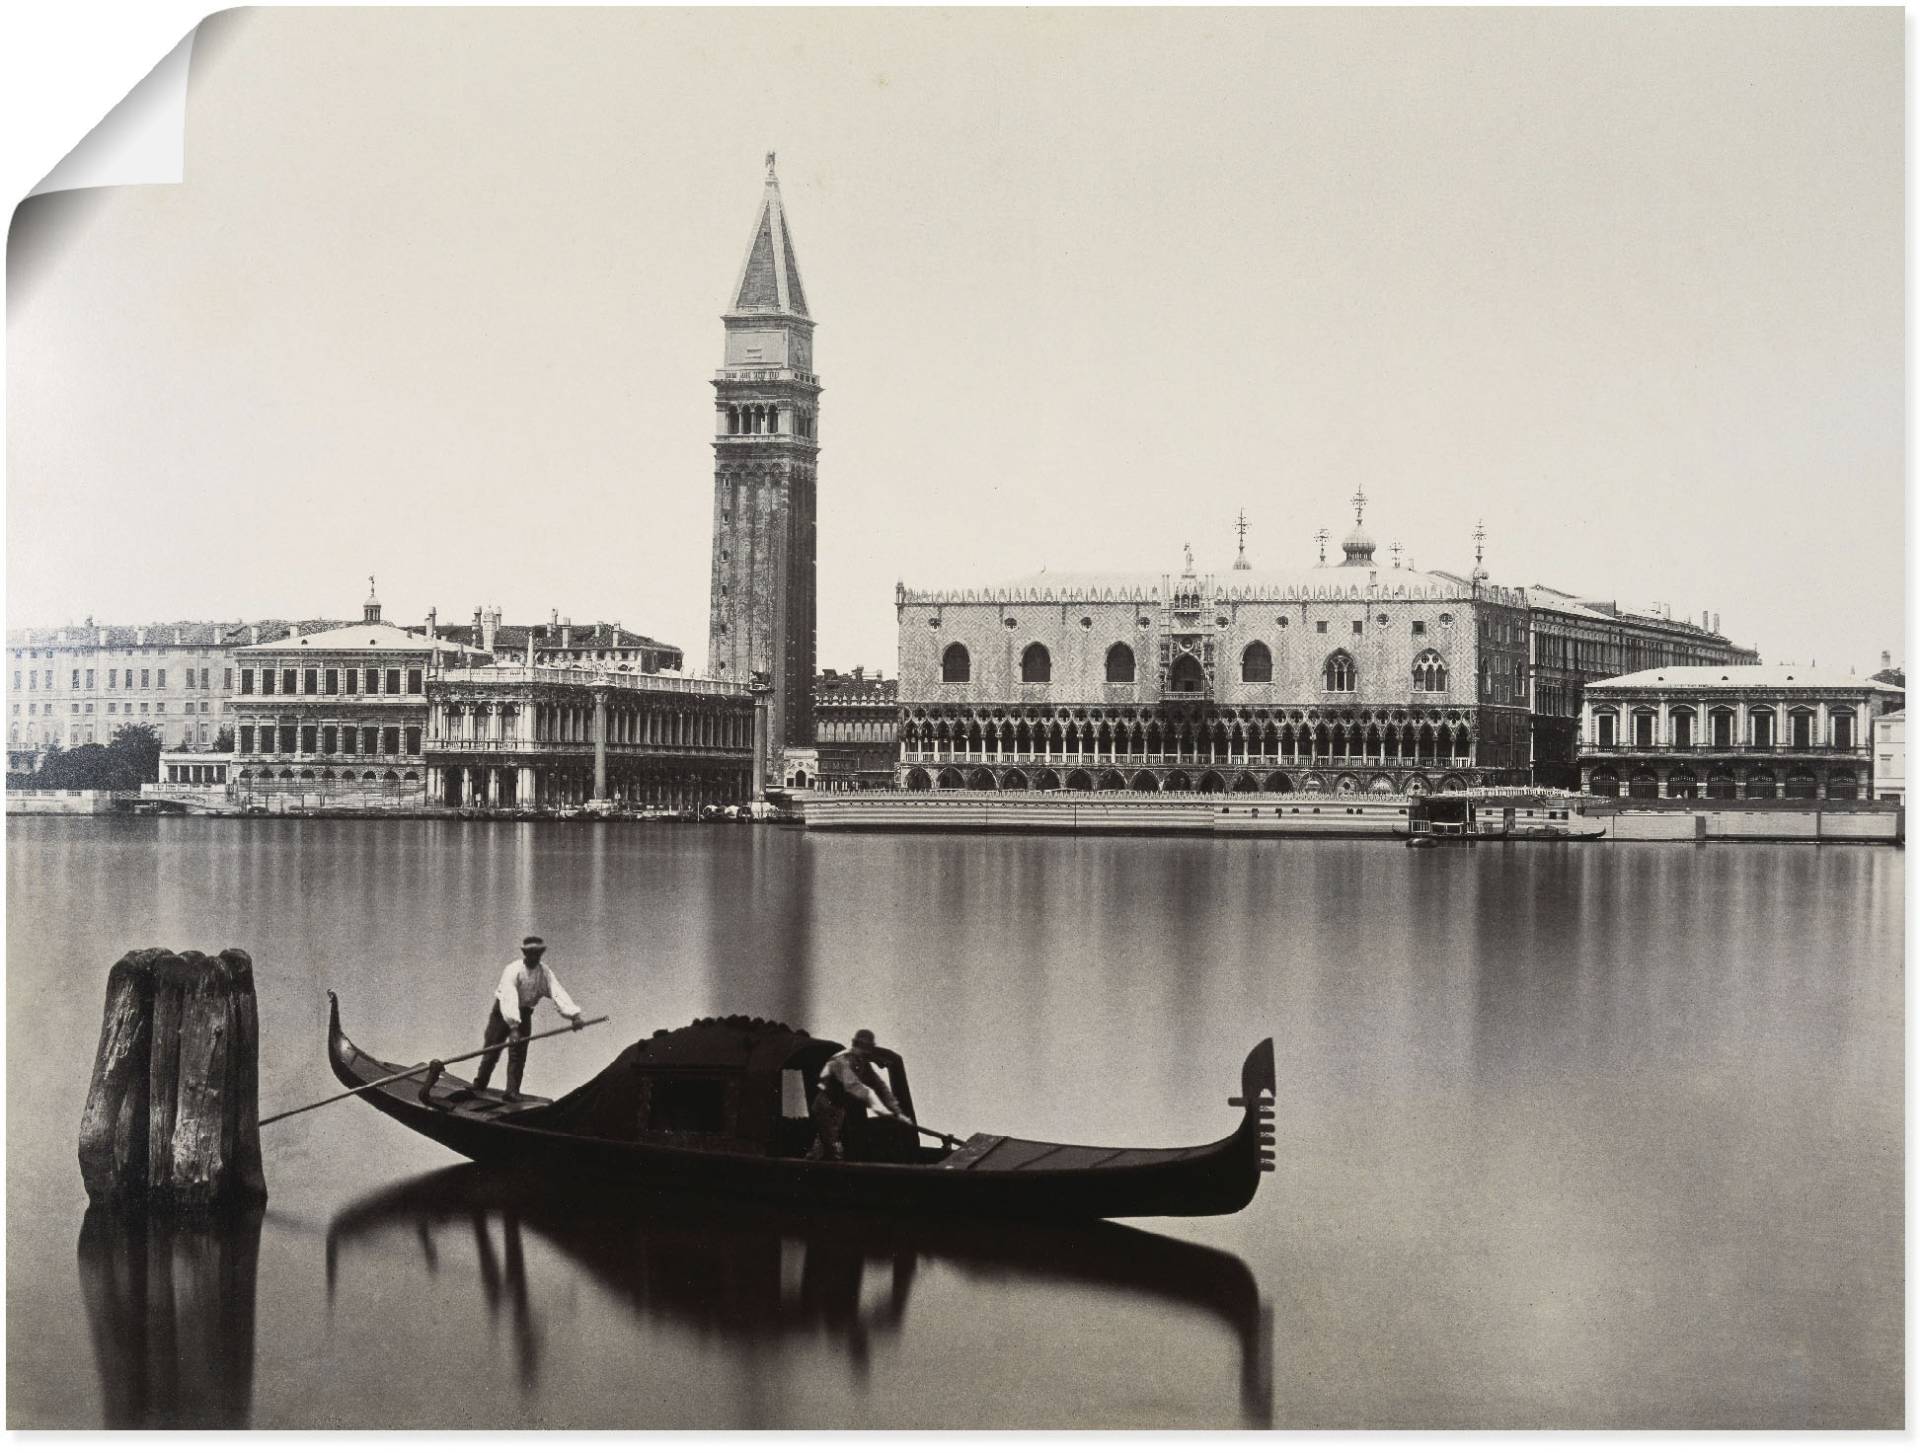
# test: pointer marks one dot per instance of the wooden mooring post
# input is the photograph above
(173, 1114)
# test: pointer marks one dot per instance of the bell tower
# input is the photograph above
(766, 440)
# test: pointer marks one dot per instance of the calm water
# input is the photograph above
(1568, 1135)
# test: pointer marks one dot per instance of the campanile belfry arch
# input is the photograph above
(766, 440)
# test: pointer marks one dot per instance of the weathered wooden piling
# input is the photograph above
(173, 1114)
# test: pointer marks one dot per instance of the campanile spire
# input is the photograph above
(766, 443)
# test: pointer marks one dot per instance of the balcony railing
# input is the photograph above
(491, 746)
(1702, 749)
(592, 676)
(1168, 759)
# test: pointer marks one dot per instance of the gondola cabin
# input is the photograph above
(736, 1084)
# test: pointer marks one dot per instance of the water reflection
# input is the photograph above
(754, 1277)
(170, 1306)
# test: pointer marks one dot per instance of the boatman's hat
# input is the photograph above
(533, 940)
(863, 1039)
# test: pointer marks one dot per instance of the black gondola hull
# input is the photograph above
(1206, 1180)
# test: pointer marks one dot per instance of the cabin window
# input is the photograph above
(687, 1107)
(793, 1095)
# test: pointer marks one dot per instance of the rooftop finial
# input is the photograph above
(1320, 536)
(770, 175)
(1240, 529)
(1189, 551)
(1479, 542)
(1396, 554)
(1359, 503)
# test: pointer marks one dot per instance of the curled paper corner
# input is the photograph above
(141, 141)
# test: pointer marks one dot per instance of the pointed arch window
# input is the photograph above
(1120, 666)
(1256, 663)
(956, 664)
(1429, 672)
(1036, 664)
(1338, 672)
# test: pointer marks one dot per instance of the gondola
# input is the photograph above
(720, 1107)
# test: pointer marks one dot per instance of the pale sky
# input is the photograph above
(438, 301)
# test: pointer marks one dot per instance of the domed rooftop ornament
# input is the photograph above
(1358, 544)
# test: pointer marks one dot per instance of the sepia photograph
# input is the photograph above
(962, 719)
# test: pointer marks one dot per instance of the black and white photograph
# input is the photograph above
(926, 719)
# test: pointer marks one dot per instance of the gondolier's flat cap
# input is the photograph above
(533, 940)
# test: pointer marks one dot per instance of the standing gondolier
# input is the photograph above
(523, 984)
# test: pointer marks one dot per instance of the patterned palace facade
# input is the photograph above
(1347, 678)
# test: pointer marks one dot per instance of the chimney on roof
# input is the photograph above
(1886, 660)
(530, 631)
(566, 635)
(1716, 623)
(176, 635)
(433, 623)
(253, 635)
(475, 642)
(491, 626)
(555, 621)
(103, 635)
(139, 635)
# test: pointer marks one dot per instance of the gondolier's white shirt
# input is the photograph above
(521, 990)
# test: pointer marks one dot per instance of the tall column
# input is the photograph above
(599, 742)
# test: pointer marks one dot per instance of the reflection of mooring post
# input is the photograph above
(173, 1114)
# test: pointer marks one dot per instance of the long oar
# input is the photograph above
(450, 1060)
(940, 1135)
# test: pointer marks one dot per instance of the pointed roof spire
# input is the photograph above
(770, 276)
(1240, 527)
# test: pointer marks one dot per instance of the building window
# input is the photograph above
(1429, 672)
(289, 681)
(144, 674)
(1036, 664)
(266, 739)
(161, 678)
(1419, 628)
(76, 681)
(227, 679)
(370, 680)
(390, 741)
(1682, 730)
(112, 708)
(1643, 728)
(1720, 723)
(266, 681)
(1256, 663)
(1119, 663)
(329, 741)
(353, 682)
(1359, 626)
(1801, 726)
(89, 680)
(415, 682)
(1604, 726)
(310, 682)
(347, 741)
(1760, 728)
(369, 741)
(333, 681)
(413, 741)
(246, 739)
(1843, 731)
(1338, 671)
(1320, 627)
(955, 664)
(393, 681)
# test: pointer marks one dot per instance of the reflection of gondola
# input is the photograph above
(717, 1266)
(721, 1106)
(170, 1304)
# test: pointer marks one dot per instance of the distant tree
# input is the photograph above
(138, 748)
(223, 740)
(89, 767)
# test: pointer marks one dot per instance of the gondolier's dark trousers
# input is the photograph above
(499, 1033)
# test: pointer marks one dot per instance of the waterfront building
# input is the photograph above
(1751, 732)
(1890, 756)
(766, 443)
(601, 646)
(856, 726)
(73, 685)
(1575, 641)
(339, 712)
(514, 735)
(1349, 678)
